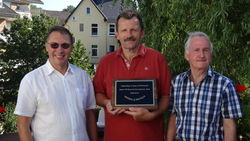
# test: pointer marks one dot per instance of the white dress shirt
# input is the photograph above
(56, 103)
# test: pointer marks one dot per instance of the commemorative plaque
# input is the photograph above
(135, 93)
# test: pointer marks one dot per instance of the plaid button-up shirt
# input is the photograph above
(200, 109)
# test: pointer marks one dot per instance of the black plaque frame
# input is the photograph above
(134, 93)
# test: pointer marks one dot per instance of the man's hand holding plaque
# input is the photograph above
(114, 111)
(140, 113)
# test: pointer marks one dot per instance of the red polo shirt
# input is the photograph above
(148, 64)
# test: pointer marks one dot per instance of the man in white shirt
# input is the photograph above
(56, 101)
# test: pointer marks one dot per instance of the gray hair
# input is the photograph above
(195, 34)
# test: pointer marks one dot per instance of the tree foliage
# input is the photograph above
(24, 51)
(9, 119)
(227, 22)
(34, 7)
(79, 58)
(69, 8)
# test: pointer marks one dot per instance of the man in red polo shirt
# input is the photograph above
(132, 60)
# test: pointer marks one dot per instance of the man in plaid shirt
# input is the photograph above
(203, 102)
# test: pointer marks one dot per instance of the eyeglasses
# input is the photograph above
(56, 45)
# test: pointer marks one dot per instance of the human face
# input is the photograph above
(58, 57)
(199, 53)
(129, 33)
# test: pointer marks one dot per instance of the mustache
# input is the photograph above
(130, 39)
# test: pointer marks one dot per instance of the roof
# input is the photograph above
(97, 2)
(6, 12)
(24, 1)
(110, 9)
(107, 8)
(59, 15)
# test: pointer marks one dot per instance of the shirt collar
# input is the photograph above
(141, 52)
(209, 73)
(50, 69)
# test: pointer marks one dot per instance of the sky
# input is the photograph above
(57, 5)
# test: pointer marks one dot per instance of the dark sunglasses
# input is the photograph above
(56, 45)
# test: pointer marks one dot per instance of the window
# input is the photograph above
(88, 11)
(94, 29)
(81, 27)
(94, 50)
(111, 48)
(18, 7)
(111, 30)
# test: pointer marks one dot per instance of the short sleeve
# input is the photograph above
(91, 103)
(98, 81)
(171, 104)
(231, 104)
(26, 100)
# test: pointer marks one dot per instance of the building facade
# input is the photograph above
(93, 22)
(11, 9)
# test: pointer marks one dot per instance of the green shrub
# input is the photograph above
(9, 119)
(244, 123)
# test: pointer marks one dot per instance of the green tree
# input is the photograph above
(226, 22)
(34, 7)
(9, 119)
(79, 58)
(24, 51)
(69, 8)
